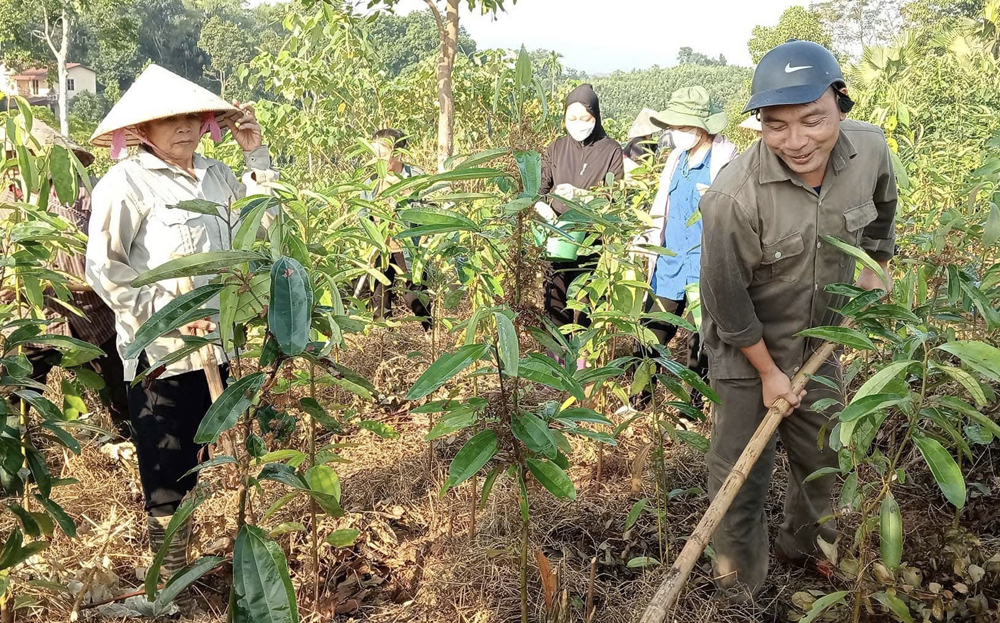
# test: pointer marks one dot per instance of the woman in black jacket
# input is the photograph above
(574, 163)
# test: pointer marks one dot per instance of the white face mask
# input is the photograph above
(580, 130)
(683, 141)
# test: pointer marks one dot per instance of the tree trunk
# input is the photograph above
(63, 75)
(448, 33)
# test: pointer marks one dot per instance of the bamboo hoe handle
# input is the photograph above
(671, 587)
(207, 353)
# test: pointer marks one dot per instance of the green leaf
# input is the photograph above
(381, 429)
(883, 377)
(692, 439)
(64, 437)
(251, 216)
(342, 538)
(510, 353)
(633, 514)
(446, 367)
(866, 405)
(529, 164)
(471, 458)
(690, 377)
(857, 254)
(983, 304)
(581, 414)
(534, 434)
(74, 352)
(891, 532)
(39, 470)
(289, 314)
(453, 422)
(14, 553)
(966, 380)
(640, 562)
(42, 405)
(179, 518)
(981, 357)
(63, 174)
(894, 604)
(438, 217)
(991, 229)
(840, 335)
(823, 471)
(177, 313)
(823, 604)
(944, 469)
(324, 486)
(552, 478)
(224, 412)
(185, 578)
(488, 486)
(209, 263)
(31, 527)
(213, 462)
(286, 528)
(198, 206)
(538, 368)
(263, 588)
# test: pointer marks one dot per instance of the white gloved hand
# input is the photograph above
(545, 211)
(566, 191)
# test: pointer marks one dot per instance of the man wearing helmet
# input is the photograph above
(764, 272)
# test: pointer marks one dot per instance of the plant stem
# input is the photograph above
(312, 501)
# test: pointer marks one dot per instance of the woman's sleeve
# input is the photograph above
(115, 221)
(617, 165)
(258, 177)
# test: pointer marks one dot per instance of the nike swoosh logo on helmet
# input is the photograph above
(789, 69)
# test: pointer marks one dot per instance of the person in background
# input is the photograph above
(389, 146)
(573, 164)
(96, 322)
(752, 123)
(764, 276)
(640, 148)
(700, 152)
(137, 225)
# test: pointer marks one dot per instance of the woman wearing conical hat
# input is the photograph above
(136, 226)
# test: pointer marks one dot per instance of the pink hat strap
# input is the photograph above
(211, 125)
(118, 147)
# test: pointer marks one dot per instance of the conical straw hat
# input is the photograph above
(642, 126)
(158, 93)
(46, 136)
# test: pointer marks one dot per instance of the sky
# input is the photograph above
(601, 36)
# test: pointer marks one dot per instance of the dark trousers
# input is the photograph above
(665, 332)
(166, 414)
(114, 395)
(558, 279)
(382, 296)
(741, 541)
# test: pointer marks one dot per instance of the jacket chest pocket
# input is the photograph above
(780, 259)
(180, 232)
(858, 217)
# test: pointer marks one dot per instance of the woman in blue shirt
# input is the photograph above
(700, 152)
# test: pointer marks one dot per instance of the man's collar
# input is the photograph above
(773, 169)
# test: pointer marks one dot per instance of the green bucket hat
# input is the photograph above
(690, 106)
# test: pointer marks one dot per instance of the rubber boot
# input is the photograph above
(176, 557)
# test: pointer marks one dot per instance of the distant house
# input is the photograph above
(33, 84)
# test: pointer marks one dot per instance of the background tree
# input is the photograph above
(229, 45)
(795, 23)
(404, 40)
(447, 21)
(859, 23)
(687, 56)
